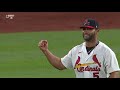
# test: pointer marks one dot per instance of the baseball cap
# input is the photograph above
(90, 23)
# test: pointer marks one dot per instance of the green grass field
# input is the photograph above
(20, 56)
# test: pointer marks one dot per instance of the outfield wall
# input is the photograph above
(44, 21)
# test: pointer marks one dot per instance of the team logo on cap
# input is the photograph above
(86, 22)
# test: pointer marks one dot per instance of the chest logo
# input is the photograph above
(86, 66)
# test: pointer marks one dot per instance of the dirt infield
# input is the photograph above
(45, 21)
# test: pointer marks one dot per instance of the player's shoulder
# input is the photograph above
(78, 47)
(105, 47)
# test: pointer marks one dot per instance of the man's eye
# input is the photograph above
(85, 29)
(90, 28)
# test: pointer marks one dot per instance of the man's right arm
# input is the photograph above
(54, 60)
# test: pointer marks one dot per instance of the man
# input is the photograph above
(91, 59)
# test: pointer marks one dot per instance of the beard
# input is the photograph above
(88, 37)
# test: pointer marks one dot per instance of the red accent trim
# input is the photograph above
(87, 27)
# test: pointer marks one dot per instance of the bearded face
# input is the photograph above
(89, 35)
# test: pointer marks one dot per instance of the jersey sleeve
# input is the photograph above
(67, 60)
(111, 62)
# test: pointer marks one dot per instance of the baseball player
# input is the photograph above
(90, 59)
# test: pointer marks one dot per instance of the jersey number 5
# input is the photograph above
(96, 74)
